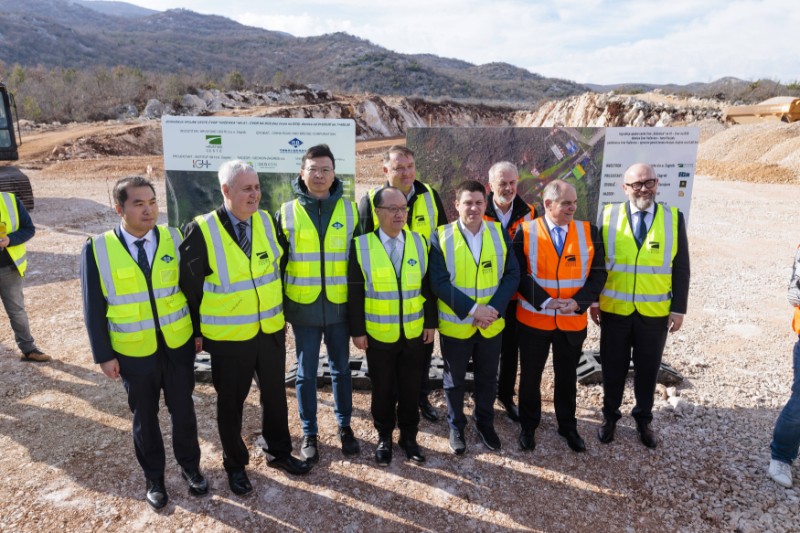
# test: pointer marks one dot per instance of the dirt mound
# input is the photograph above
(768, 152)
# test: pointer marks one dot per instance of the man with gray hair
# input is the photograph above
(563, 262)
(508, 208)
(230, 273)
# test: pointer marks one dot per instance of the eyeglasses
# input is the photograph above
(325, 171)
(395, 210)
(637, 185)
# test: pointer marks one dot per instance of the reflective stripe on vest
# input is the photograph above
(307, 262)
(424, 214)
(131, 324)
(382, 296)
(10, 215)
(478, 281)
(638, 279)
(558, 276)
(241, 295)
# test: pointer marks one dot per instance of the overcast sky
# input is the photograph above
(588, 41)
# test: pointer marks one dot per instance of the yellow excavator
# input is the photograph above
(11, 178)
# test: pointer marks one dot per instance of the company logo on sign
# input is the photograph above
(201, 163)
(683, 174)
(214, 140)
(295, 143)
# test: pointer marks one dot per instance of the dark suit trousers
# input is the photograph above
(534, 350)
(622, 337)
(425, 386)
(395, 376)
(509, 354)
(485, 355)
(175, 375)
(233, 365)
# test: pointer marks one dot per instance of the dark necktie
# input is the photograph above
(244, 242)
(641, 229)
(141, 258)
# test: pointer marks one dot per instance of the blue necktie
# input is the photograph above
(641, 229)
(558, 239)
(141, 257)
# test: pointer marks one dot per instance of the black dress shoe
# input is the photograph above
(606, 432)
(647, 436)
(350, 445)
(428, 411)
(156, 493)
(526, 440)
(291, 465)
(198, 485)
(383, 453)
(511, 409)
(413, 453)
(574, 441)
(239, 482)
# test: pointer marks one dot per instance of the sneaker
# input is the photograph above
(35, 356)
(309, 449)
(350, 445)
(781, 473)
(457, 442)
(489, 437)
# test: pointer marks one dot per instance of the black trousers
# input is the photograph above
(233, 365)
(485, 355)
(622, 338)
(534, 350)
(174, 374)
(509, 354)
(425, 384)
(395, 376)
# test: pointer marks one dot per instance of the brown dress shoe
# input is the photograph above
(35, 356)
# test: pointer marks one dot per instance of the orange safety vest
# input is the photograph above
(515, 224)
(560, 277)
(796, 320)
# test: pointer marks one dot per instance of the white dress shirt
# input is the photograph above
(503, 218)
(150, 244)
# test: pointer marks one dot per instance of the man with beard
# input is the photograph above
(508, 208)
(645, 296)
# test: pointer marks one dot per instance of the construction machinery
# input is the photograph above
(11, 178)
(782, 108)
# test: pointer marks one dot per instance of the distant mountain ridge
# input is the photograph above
(83, 34)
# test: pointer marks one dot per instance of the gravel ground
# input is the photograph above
(68, 461)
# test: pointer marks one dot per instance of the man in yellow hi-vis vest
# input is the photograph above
(392, 316)
(140, 330)
(230, 273)
(645, 296)
(16, 228)
(315, 231)
(474, 273)
(425, 214)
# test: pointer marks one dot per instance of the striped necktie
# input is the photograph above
(244, 242)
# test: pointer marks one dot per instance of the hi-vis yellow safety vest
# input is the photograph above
(424, 214)
(560, 277)
(241, 295)
(131, 324)
(308, 260)
(478, 281)
(391, 300)
(10, 215)
(639, 279)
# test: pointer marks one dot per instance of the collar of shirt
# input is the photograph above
(503, 218)
(551, 225)
(149, 243)
(235, 221)
(651, 209)
(384, 238)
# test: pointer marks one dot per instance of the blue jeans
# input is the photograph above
(307, 342)
(786, 436)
